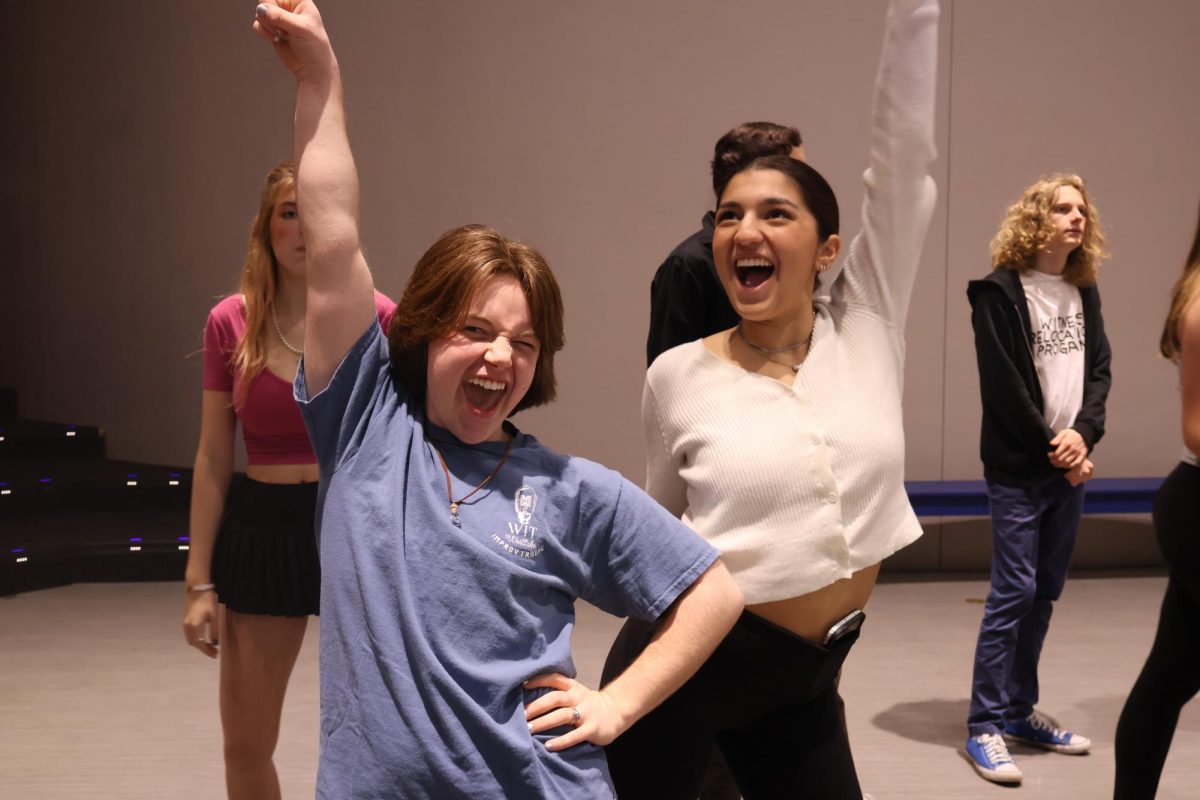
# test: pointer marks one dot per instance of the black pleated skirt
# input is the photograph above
(265, 558)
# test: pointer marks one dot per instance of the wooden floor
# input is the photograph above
(100, 698)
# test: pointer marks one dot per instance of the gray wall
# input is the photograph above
(137, 134)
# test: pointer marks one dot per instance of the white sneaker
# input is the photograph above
(989, 756)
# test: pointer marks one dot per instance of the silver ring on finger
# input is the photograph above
(575, 717)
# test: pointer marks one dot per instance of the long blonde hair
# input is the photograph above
(260, 275)
(1027, 228)
(1182, 295)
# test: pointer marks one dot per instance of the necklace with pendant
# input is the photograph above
(454, 504)
(770, 351)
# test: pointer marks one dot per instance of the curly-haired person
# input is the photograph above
(1044, 379)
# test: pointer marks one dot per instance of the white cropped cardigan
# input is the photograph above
(801, 485)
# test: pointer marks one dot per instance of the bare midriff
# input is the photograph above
(282, 473)
(811, 615)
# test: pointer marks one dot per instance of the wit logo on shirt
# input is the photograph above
(1059, 336)
(521, 538)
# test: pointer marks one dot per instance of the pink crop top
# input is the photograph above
(271, 425)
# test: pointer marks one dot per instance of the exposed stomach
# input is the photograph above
(810, 616)
(282, 473)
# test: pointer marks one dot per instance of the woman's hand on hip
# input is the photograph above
(593, 715)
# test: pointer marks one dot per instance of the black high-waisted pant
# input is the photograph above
(1171, 675)
(766, 697)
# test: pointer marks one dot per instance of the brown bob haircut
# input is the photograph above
(440, 291)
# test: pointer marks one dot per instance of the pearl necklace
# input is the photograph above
(279, 330)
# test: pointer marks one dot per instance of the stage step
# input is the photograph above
(8, 403)
(37, 439)
(68, 514)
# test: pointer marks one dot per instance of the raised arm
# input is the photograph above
(881, 265)
(340, 302)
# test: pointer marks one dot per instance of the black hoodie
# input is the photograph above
(1014, 440)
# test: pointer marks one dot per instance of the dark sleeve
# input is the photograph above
(678, 298)
(1096, 383)
(1005, 396)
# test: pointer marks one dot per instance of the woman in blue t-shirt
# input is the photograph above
(453, 546)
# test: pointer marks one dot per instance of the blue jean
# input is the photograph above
(1033, 537)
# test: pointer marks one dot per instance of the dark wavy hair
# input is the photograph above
(816, 192)
(749, 141)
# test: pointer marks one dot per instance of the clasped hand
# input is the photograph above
(599, 720)
(1081, 473)
(1069, 449)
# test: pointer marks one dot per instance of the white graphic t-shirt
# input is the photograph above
(1056, 312)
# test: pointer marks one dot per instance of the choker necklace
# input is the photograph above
(454, 504)
(278, 330)
(770, 351)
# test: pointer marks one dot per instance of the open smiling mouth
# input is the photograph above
(752, 272)
(483, 395)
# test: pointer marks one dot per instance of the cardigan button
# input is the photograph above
(832, 498)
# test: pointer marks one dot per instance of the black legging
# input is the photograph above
(767, 698)
(1171, 676)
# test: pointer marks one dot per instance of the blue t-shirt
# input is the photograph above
(429, 630)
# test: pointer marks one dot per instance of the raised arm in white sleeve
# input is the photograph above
(881, 264)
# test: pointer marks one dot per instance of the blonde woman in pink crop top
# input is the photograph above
(252, 574)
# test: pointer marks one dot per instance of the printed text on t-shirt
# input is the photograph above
(521, 539)
(1059, 336)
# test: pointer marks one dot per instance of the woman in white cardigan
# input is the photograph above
(781, 442)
